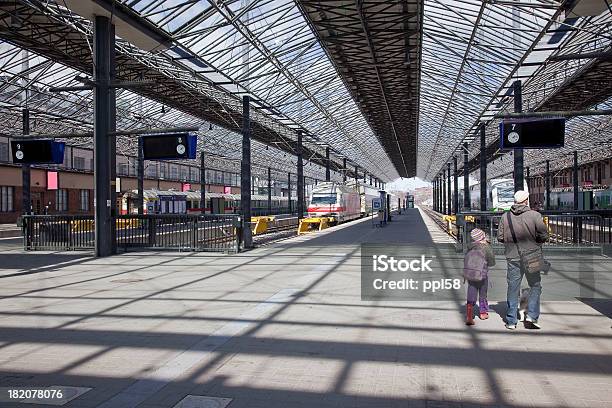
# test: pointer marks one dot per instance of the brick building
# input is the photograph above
(593, 175)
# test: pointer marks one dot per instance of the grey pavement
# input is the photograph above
(283, 326)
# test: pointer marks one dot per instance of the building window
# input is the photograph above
(61, 200)
(7, 195)
(123, 169)
(4, 152)
(174, 173)
(78, 163)
(151, 170)
(84, 200)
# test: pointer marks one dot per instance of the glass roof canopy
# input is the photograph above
(472, 52)
(495, 43)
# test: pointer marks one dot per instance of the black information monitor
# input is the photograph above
(43, 151)
(532, 133)
(169, 146)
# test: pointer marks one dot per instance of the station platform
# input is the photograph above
(282, 326)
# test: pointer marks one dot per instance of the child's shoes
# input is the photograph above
(469, 314)
(484, 315)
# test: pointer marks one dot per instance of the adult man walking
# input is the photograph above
(522, 230)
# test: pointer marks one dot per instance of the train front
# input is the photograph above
(324, 202)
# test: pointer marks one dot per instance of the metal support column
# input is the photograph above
(547, 184)
(344, 170)
(356, 176)
(26, 203)
(300, 178)
(455, 187)
(449, 196)
(519, 179)
(289, 193)
(305, 193)
(245, 173)
(112, 140)
(202, 183)
(467, 204)
(269, 191)
(443, 203)
(434, 192)
(576, 220)
(327, 164)
(483, 168)
(103, 43)
(528, 181)
(370, 179)
(440, 193)
(575, 180)
(140, 175)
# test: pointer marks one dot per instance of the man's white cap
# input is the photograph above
(521, 196)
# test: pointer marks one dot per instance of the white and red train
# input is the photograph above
(344, 202)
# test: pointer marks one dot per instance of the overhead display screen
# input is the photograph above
(532, 133)
(40, 151)
(169, 146)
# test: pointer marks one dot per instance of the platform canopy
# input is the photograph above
(376, 48)
(393, 87)
(473, 52)
(203, 57)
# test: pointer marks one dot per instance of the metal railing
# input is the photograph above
(58, 232)
(215, 233)
(575, 229)
(220, 233)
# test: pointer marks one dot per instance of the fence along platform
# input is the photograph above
(566, 230)
(217, 233)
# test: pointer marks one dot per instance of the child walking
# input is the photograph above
(476, 271)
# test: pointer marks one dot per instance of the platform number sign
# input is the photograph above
(544, 133)
(376, 204)
(169, 146)
(37, 151)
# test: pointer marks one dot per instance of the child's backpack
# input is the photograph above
(475, 266)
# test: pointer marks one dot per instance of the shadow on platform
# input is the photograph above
(20, 264)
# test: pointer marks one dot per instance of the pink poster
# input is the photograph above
(186, 187)
(52, 183)
(227, 190)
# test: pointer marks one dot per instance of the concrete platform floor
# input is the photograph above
(281, 326)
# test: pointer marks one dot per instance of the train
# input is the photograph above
(500, 194)
(563, 200)
(366, 194)
(344, 202)
(185, 202)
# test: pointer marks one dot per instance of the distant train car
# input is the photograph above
(563, 200)
(366, 194)
(602, 199)
(332, 199)
(500, 195)
(184, 202)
